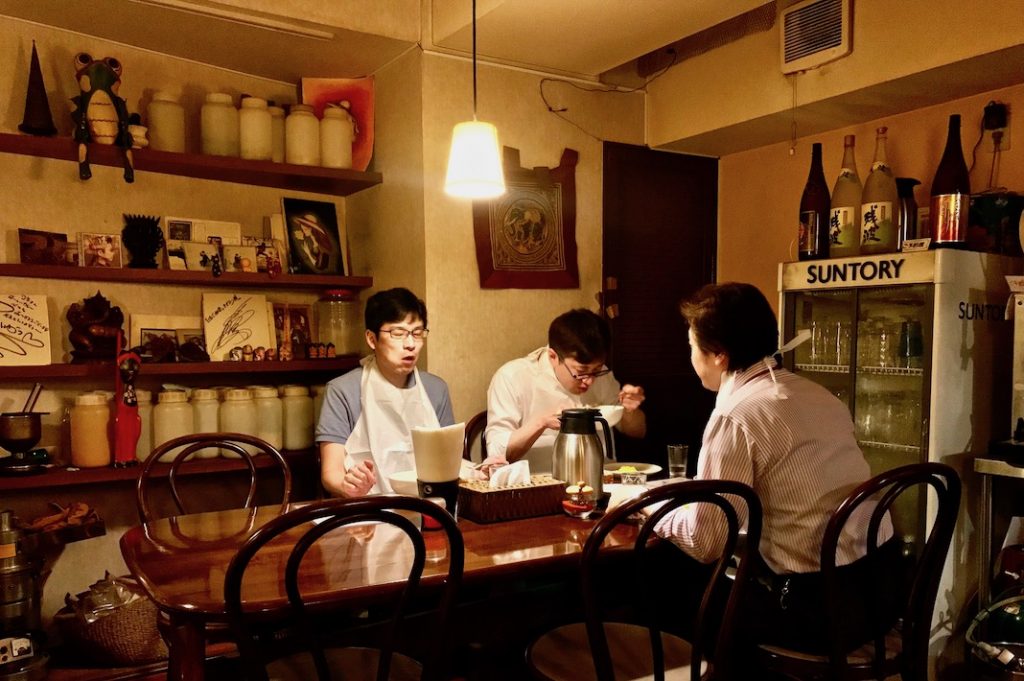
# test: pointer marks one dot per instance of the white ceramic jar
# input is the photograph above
(302, 136)
(238, 415)
(219, 125)
(145, 443)
(337, 132)
(255, 130)
(172, 417)
(269, 415)
(90, 442)
(205, 417)
(276, 133)
(298, 417)
(166, 118)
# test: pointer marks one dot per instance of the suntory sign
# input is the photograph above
(890, 268)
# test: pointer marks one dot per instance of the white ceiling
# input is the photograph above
(580, 37)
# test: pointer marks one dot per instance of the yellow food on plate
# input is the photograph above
(626, 469)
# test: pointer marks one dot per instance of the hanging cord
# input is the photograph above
(974, 151)
(792, 114)
(559, 111)
(474, 60)
(997, 141)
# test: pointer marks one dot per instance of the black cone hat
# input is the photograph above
(38, 119)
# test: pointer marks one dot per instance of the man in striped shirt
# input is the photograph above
(788, 438)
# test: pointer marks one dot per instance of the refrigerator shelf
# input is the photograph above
(825, 368)
(890, 371)
(890, 446)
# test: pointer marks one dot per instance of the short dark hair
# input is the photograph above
(580, 334)
(393, 305)
(733, 318)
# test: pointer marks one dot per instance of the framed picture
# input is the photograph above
(160, 324)
(240, 259)
(293, 327)
(199, 255)
(162, 335)
(176, 232)
(268, 252)
(526, 238)
(314, 245)
(186, 335)
(99, 250)
(37, 247)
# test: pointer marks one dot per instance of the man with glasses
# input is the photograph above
(366, 422)
(527, 395)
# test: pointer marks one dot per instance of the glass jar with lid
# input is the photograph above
(90, 444)
(206, 417)
(269, 415)
(238, 415)
(172, 417)
(340, 320)
(145, 443)
(298, 417)
(219, 125)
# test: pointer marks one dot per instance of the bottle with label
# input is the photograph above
(814, 211)
(878, 203)
(906, 213)
(951, 193)
(844, 222)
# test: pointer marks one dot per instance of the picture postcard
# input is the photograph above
(158, 324)
(24, 330)
(233, 320)
(37, 247)
(99, 250)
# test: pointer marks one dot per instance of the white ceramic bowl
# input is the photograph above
(404, 482)
(612, 413)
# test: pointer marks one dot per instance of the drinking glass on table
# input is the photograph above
(677, 455)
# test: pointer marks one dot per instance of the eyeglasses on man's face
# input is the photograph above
(399, 333)
(583, 376)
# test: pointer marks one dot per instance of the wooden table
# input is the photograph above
(181, 561)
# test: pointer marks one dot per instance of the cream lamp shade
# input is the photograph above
(474, 162)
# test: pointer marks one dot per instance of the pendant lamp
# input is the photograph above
(474, 162)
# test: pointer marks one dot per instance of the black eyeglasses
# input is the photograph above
(400, 334)
(590, 375)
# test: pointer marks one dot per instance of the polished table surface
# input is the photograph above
(180, 561)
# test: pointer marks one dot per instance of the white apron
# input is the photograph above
(383, 433)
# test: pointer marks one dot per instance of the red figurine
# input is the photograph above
(127, 422)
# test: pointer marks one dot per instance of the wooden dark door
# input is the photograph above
(660, 236)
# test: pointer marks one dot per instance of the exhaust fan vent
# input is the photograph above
(814, 32)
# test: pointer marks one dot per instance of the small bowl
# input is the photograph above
(612, 413)
(404, 482)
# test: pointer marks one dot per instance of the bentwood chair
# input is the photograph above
(317, 650)
(639, 649)
(900, 648)
(474, 433)
(155, 477)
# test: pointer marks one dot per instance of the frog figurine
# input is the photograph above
(100, 115)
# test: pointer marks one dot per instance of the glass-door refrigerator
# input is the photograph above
(917, 345)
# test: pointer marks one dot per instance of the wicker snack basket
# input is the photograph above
(481, 504)
(126, 635)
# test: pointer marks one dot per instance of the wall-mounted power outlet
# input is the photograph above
(996, 128)
(988, 143)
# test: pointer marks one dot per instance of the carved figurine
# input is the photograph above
(100, 115)
(127, 422)
(270, 355)
(143, 238)
(215, 266)
(95, 329)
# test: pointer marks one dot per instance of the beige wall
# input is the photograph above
(761, 188)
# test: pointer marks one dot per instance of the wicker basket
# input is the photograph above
(481, 504)
(125, 636)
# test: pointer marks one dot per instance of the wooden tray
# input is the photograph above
(481, 504)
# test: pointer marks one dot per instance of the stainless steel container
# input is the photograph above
(578, 457)
(22, 657)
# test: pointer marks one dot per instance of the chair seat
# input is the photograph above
(800, 663)
(564, 653)
(358, 664)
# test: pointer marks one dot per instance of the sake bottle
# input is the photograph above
(878, 202)
(814, 210)
(844, 222)
(951, 193)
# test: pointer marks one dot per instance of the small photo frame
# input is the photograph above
(161, 324)
(240, 259)
(293, 327)
(268, 252)
(37, 247)
(187, 335)
(314, 242)
(99, 250)
(199, 255)
(149, 335)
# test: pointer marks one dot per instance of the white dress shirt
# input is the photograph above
(793, 442)
(528, 386)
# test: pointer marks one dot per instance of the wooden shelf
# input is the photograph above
(60, 476)
(185, 278)
(223, 168)
(336, 365)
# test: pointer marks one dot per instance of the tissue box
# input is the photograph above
(481, 504)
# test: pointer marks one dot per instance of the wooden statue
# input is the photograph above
(100, 115)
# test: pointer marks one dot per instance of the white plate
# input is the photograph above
(646, 468)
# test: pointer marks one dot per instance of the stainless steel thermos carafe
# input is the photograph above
(578, 455)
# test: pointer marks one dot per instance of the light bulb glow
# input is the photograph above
(474, 162)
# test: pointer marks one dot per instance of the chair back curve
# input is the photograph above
(310, 530)
(475, 432)
(257, 454)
